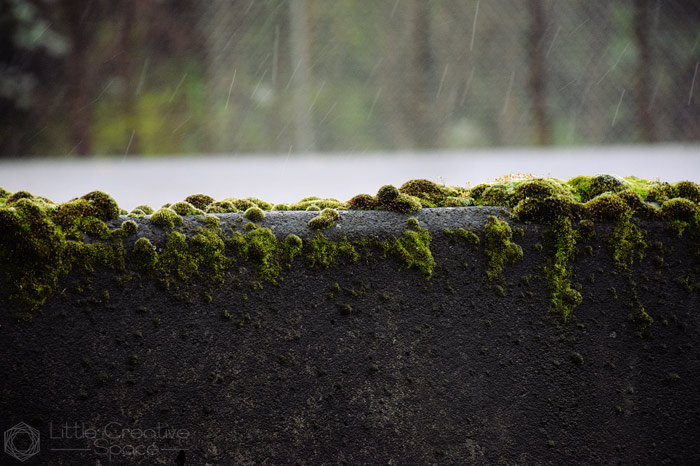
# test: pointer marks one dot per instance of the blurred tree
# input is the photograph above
(537, 79)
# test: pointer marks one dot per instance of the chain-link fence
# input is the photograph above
(281, 75)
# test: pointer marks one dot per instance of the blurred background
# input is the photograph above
(128, 78)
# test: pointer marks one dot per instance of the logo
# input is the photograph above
(22, 441)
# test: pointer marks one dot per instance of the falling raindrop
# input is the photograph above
(476, 15)
(692, 84)
(618, 107)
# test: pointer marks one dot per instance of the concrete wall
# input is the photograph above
(388, 369)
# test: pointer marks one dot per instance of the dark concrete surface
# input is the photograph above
(440, 372)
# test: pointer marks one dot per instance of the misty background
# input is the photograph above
(271, 80)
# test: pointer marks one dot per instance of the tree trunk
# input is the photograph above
(420, 116)
(304, 137)
(644, 67)
(537, 80)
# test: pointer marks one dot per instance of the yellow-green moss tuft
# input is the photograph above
(325, 219)
(166, 218)
(254, 214)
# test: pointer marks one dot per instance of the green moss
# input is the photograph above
(412, 249)
(211, 221)
(324, 252)
(4, 193)
(387, 194)
(102, 205)
(558, 269)
(185, 208)
(280, 207)
(144, 254)
(148, 210)
(626, 244)
(546, 209)
(129, 227)
(467, 235)
(221, 207)
(363, 202)
(199, 201)
(165, 218)
(12, 198)
(431, 194)
(687, 190)
(498, 194)
(607, 207)
(254, 214)
(680, 209)
(325, 219)
(291, 248)
(136, 213)
(499, 248)
(540, 188)
(313, 208)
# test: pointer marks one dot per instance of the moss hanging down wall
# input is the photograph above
(502, 323)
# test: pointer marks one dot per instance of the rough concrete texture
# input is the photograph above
(388, 369)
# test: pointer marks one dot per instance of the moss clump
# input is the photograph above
(546, 209)
(185, 208)
(607, 207)
(313, 208)
(260, 247)
(325, 219)
(254, 214)
(679, 209)
(291, 248)
(430, 194)
(362, 202)
(467, 235)
(199, 201)
(499, 248)
(280, 207)
(498, 194)
(32, 251)
(12, 198)
(324, 252)
(687, 190)
(148, 210)
(221, 207)
(103, 206)
(387, 194)
(539, 188)
(412, 249)
(165, 218)
(144, 254)
(129, 227)
(637, 205)
(4, 193)
(401, 203)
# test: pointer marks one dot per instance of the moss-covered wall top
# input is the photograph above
(504, 323)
